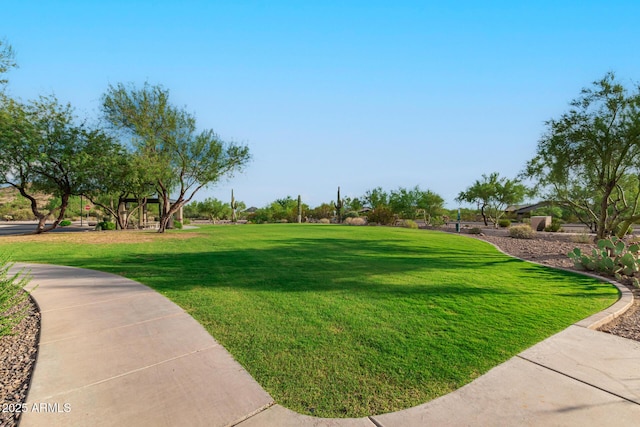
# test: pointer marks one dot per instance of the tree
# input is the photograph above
(44, 150)
(354, 204)
(431, 205)
(325, 210)
(376, 198)
(409, 203)
(404, 203)
(214, 209)
(589, 158)
(493, 194)
(182, 160)
(6, 60)
(280, 210)
(122, 176)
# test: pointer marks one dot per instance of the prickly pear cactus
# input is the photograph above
(613, 257)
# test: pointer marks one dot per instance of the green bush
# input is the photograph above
(556, 225)
(504, 223)
(475, 230)
(186, 221)
(106, 225)
(65, 223)
(408, 223)
(523, 231)
(613, 257)
(12, 297)
(177, 224)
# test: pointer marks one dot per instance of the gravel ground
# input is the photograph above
(16, 364)
(19, 350)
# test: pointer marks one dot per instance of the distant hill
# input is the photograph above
(14, 206)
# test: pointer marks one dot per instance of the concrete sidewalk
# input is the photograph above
(114, 352)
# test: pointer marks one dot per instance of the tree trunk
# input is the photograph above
(484, 215)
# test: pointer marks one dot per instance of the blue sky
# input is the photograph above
(356, 94)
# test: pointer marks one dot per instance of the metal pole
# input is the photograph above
(81, 209)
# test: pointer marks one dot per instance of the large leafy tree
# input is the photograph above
(493, 194)
(44, 149)
(181, 160)
(589, 158)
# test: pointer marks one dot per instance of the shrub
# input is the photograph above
(408, 223)
(381, 215)
(106, 225)
(475, 230)
(350, 214)
(65, 223)
(324, 221)
(186, 221)
(556, 225)
(356, 221)
(504, 223)
(177, 224)
(12, 297)
(613, 257)
(582, 238)
(523, 231)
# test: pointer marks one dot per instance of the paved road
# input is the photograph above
(28, 227)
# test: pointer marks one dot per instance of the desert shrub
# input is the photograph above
(409, 223)
(12, 297)
(523, 231)
(475, 230)
(350, 214)
(177, 224)
(582, 238)
(382, 215)
(556, 225)
(356, 221)
(65, 223)
(186, 221)
(324, 221)
(504, 223)
(22, 215)
(613, 257)
(438, 221)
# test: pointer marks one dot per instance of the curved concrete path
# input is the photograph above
(113, 352)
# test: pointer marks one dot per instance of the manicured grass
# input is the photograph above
(341, 321)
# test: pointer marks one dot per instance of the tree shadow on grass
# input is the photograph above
(343, 264)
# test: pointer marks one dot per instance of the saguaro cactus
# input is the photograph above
(234, 206)
(299, 209)
(338, 205)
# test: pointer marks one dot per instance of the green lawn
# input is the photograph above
(340, 321)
